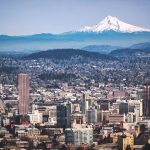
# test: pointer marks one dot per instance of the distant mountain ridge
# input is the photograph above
(110, 31)
(103, 49)
(145, 46)
(106, 49)
(127, 52)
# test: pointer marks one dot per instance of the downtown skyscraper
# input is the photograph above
(23, 86)
(146, 102)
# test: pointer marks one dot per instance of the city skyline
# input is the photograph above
(34, 17)
(74, 74)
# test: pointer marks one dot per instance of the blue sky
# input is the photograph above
(22, 17)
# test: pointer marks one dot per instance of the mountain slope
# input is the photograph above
(62, 54)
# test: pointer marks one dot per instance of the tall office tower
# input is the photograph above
(85, 103)
(146, 101)
(23, 86)
(91, 115)
(64, 115)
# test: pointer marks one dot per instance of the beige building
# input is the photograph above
(126, 140)
(36, 117)
(115, 136)
(52, 115)
(116, 118)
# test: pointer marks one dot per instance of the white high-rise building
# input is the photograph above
(77, 136)
(91, 115)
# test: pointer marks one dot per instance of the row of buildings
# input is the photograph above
(76, 118)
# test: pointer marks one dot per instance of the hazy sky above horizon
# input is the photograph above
(22, 17)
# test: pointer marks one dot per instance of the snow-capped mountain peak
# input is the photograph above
(113, 23)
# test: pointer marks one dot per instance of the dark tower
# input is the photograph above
(64, 115)
(146, 102)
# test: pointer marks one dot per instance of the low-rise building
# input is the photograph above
(36, 117)
(116, 118)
